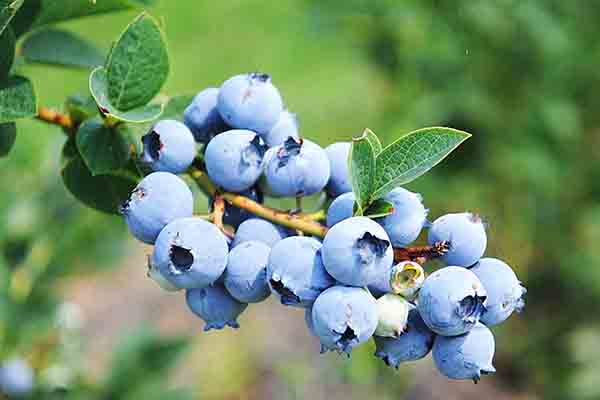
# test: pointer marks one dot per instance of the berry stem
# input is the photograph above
(55, 118)
(420, 253)
(218, 211)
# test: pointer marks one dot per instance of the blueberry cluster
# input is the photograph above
(348, 283)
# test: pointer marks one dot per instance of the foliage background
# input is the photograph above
(521, 76)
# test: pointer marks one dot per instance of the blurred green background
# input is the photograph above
(521, 76)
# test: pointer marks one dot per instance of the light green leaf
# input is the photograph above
(8, 135)
(412, 155)
(362, 171)
(103, 149)
(138, 64)
(374, 140)
(17, 99)
(7, 52)
(8, 9)
(99, 90)
(379, 208)
(55, 46)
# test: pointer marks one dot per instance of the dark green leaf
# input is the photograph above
(8, 9)
(26, 16)
(55, 46)
(138, 64)
(81, 107)
(379, 208)
(412, 155)
(374, 140)
(362, 170)
(102, 192)
(7, 52)
(99, 90)
(17, 99)
(8, 135)
(103, 149)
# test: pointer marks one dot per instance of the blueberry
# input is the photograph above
(393, 315)
(451, 301)
(339, 181)
(296, 168)
(405, 223)
(169, 147)
(158, 199)
(286, 126)
(156, 275)
(505, 292)
(246, 273)
(260, 230)
(234, 216)
(340, 209)
(250, 101)
(467, 356)
(466, 234)
(357, 251)
(344, 317)
(233, 159)
(215, 306)
(412, 344)
(295, 271)
(202, 116)
(16, 378)
(191, 253)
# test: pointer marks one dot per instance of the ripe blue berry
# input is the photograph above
(344, 317)
(466, 234)
(413, 344)
(340, 209)
(296, 168)
(339, 181)
(295, 271)
(504, 291)
(191, 253)
(405, 223)
(158, 199)
(466, 356)
(250, 101)
(246, 273)
(233, 159)
(451, 301)
(202, 116)
(16, 378)
(286, 126)
(215, 306)
(258, 229)
(169, 147)
(357, 251)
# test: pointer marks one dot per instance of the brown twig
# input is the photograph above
(217, 215)
(421, 253)
(56, 118)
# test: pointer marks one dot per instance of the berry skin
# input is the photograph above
(154, 273)
(215, 306)
(246, 273)
(295, 271)
(296, 168)
(233, 159)
(250, 101)
(16, 378)
(157, 200)
(258, 229)
(393, 315)
(202, 116)
(467, 356)
(451, 301)
(234, 216)
(413, 344)
(309, 321)
(405, 223)
(339, 181)
(344, 317)
(286, 126)
(357, 251)
(505, 292)
(466, 234)
(190, 253)
(169, 147)
(340, 209)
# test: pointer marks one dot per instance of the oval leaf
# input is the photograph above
(8, 9)
(374, 140)
(138, 64)
(8, 135)
(412, 155)
(102, 148)
(379, 208)
(362, 170)
(7, 52)
(17, 99)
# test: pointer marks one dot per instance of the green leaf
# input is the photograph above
(7, 52)
(8, 135)
(8, 9)
(17, 99)
(104, 149)
(81, 107)
(26, 17)
(412, 155)
(138, 64)
(102, 192)
(99, 90)
(374, 140)
(55, 46)
(379, 208)
(362, 170)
